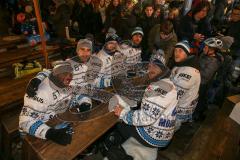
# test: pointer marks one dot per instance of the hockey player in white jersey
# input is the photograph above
(132, 49)
(53, 97)
(153, 124)
(112, 61)
(186, 77)
(79, 64)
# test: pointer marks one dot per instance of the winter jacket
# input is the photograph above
(234, 31)
(188, 26)
(155, 120)
(167, 45)
(208, 67)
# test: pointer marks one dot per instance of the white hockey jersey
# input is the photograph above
(187, 80)
(110, 67)
(49, 101)
(79, 73)
(155, 121)
(133, 55)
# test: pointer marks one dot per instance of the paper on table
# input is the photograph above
(235, 114)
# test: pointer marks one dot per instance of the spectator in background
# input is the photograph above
(158, 16)
(102, 10)
(210, 61)
(147, 22)
(163, 5)
(162, 36)
(124, 23)
(234, 31)
(60, 18)
(84, 14)
(194, 26)
(174, 17)
(112, 12)
(222, 12)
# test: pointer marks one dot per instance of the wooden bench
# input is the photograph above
(9, 127)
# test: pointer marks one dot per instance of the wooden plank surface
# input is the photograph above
(217, 137)
(12, 91)
(14, 56)
(85, 133)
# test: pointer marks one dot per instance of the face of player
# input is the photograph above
(65, 78)
(111, 46)
(84, 54)
(153, 71)
(179, 55)
(137, 39)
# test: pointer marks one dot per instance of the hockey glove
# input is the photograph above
(61, 136)
(84, 107)
(33, 87)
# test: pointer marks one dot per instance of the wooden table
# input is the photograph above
(85, 133)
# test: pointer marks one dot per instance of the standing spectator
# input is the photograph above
(83, 13)
(60, 18)
(102, 10)
(234, 31)
(194, 26)
(222, 12)
(112, 12)
(174, 17)
(124, 23)
(147, 22)
(162, 36)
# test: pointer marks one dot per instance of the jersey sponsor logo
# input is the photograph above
(166, 123)
(35, 98)
(161, 91)
(186, 76)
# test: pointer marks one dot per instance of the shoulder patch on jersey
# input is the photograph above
(185, 76)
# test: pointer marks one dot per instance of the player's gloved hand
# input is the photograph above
(33, 87)
(84, 107)
(61, 134)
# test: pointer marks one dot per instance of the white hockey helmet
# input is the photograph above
(214, 43)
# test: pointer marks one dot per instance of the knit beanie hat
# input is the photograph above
(61, 67)
(158, 58)
(185, 46)
(112, 37)
(227, 42)
(138, 30)
(84, 43)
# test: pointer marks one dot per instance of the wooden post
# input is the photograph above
(41, 32)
